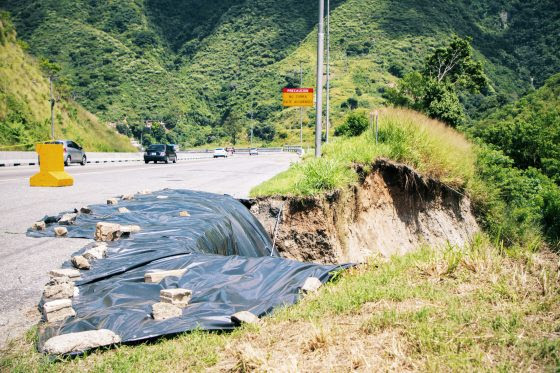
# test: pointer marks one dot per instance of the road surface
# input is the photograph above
(24, 261)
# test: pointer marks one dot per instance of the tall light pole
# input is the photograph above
(327, 99)
(52, 101)
(319, 92)
(300, 108)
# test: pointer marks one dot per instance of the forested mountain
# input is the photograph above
(25, 107)
(202, 67)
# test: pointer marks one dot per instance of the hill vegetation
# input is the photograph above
(205, 68)
(25, 108)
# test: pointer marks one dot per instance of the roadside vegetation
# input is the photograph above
(481, 307)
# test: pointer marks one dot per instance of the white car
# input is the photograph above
(220, 152)
(253, 151)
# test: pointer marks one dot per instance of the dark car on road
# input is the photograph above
(72, 152)
(160, 153)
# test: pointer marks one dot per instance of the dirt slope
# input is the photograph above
(393, 210)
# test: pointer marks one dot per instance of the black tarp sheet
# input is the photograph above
(224, 248)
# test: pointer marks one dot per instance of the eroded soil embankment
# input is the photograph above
(393, 210)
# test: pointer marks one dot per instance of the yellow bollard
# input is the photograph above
(51, 169)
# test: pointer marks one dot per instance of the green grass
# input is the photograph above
(430, 147)
(481, 307)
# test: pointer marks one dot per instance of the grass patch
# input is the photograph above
(481, 307)
(431, 147)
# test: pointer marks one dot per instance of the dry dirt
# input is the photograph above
(393, 210)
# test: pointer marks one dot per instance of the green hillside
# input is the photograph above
(25, 109)
(203, 66)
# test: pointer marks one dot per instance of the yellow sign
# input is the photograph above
(297, 97)
(51, 167)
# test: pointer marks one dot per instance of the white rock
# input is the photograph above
(184, 213)
(96, 252)
(127, 197)
(76, 291)
(58, 288)
(127, 229)
(80, 262)
(107, 231)
(162, 311)
(244, 317)
(311, 284)
(68, 219)
(65, 272)
(58, 310)
(60, 231)
(39, 226)
(177, 297)
(112, 201)
(79, 342)
(123, 210)
(157, 276)
(145, 191)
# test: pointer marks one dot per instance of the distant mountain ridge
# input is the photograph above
(193, 63)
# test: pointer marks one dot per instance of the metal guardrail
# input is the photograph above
(10, 158)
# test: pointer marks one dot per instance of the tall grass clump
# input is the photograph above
(405, 136)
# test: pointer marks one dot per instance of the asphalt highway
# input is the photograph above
(24, 261)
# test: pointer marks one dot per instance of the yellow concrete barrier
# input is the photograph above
(51, 168)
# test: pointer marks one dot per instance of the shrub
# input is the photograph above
(354, 125)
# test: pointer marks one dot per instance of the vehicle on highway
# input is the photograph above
(160, 153)
(72, 152)
(253, 151)
(220, 152)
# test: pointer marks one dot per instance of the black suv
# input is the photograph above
(160, 152)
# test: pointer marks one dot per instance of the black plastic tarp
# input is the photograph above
(226, 251)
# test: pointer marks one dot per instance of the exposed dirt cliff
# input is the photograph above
(392, 210)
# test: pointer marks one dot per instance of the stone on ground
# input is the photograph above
(127, 197)
(68, 219)
(60, 231)
(39, 226)
(80, 262)
(112, 201)
(57, 310)
(85, 210)
(79, 342)
(58, 288)
(127, 229)
(96, 252)
(244, 317)
(65, 272)
(155, 277)
(177, 297)
(107, 231)
(123, 210)
(184, 213)
(162, 311)
(311, 285)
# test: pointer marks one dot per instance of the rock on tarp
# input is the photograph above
(224, 249)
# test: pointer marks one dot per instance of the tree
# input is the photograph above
(435, 88)
(354, 125)
(232, 126)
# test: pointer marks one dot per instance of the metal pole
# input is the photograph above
(327, 114)
(376, 126)
(301, 108)
(52, 108)
(251, 125)
(319, 93)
